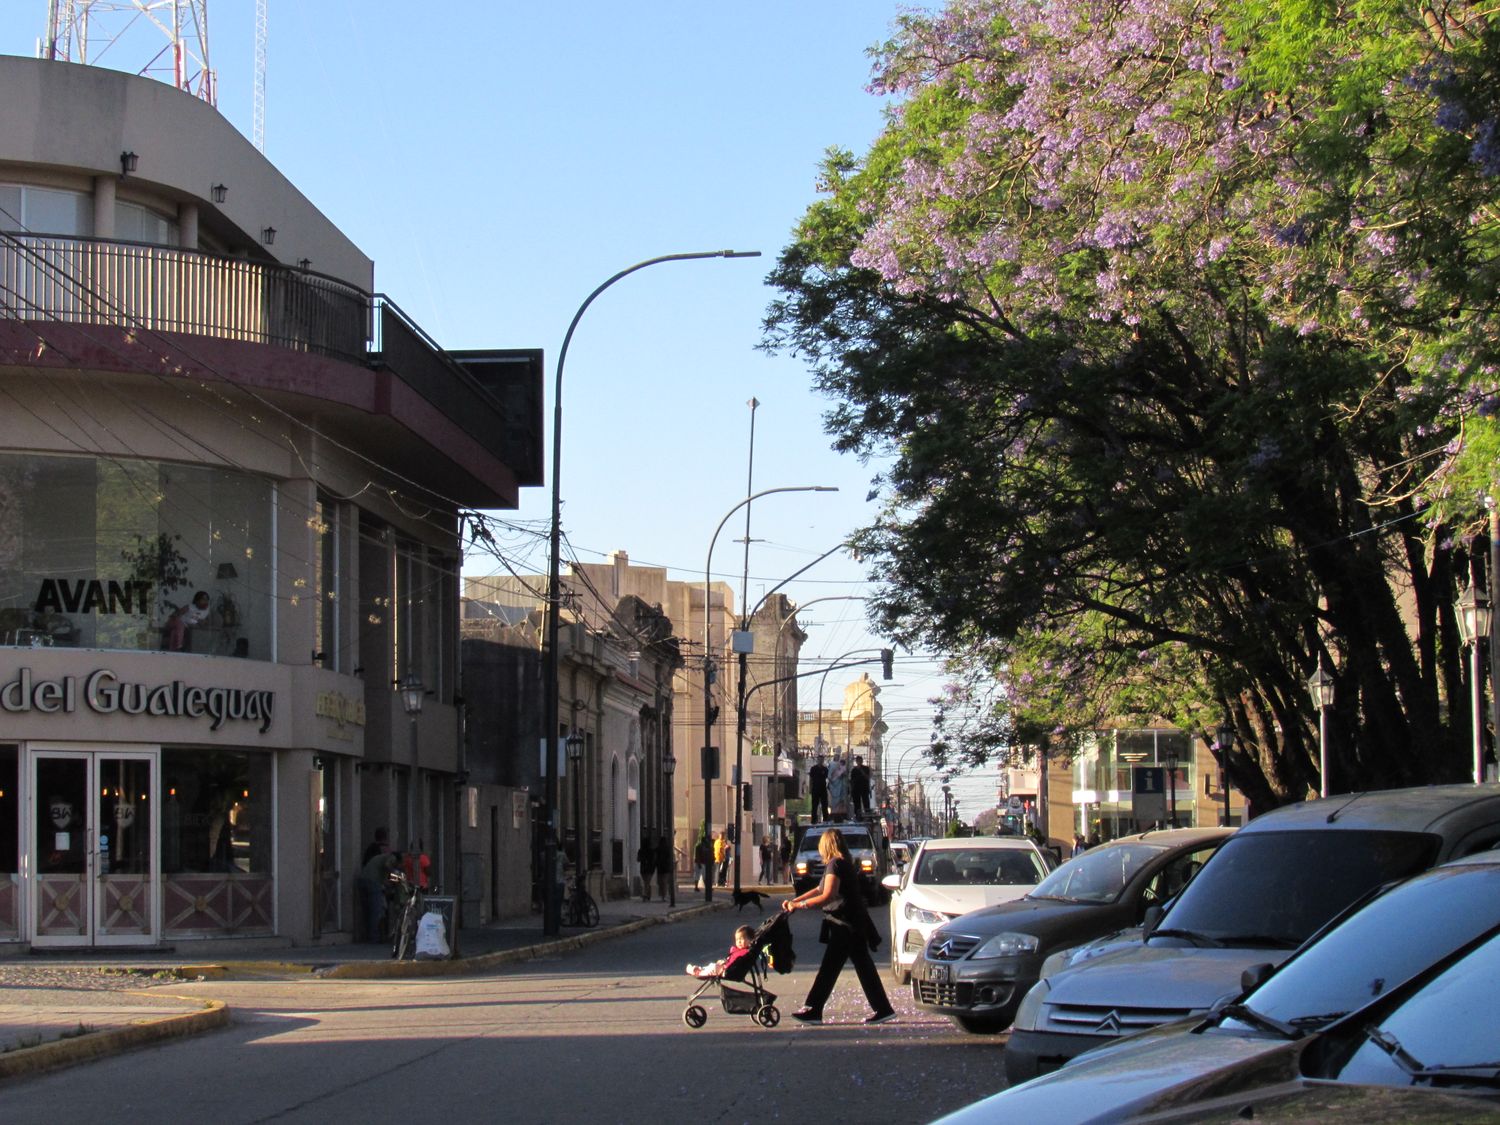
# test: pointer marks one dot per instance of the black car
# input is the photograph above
(1395, 998)
(976, 969)
(866, 841)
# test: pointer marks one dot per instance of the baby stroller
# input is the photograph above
(771, 948)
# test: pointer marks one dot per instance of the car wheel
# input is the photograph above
(899, 972)
(981, 1025)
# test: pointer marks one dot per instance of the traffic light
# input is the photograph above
(747, 800)
(887, 659)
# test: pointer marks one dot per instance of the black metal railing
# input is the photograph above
(167, 289)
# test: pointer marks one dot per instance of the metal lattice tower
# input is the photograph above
(259, 135)
(119, 32)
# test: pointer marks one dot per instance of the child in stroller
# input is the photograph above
(741, 948)
(754, 952)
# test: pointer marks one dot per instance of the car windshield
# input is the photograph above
(985, 867)
(1098, 875)
(1378, 947)
(1444, 1034)
(1275, 888)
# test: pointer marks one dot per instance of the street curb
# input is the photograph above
(384, 970)
(98, 1044)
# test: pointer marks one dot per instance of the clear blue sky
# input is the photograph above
(498, 161)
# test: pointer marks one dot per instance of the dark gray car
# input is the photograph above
(976, 968)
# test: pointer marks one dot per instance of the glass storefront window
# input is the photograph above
(216, 812)
(111, 554)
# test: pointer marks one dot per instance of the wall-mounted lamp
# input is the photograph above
(304, 263)
(318, 762)
(218, 193)
(128, 161)
(268, 235)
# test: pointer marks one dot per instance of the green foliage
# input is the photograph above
(1186, 373)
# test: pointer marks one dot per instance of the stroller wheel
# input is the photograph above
(768, 1015)
(695, 1016)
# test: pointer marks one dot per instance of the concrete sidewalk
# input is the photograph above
(62, 1008)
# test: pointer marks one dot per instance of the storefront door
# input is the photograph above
(93, 843)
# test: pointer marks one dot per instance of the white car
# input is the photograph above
(946, 878)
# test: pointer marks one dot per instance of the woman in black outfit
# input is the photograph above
(847, 933)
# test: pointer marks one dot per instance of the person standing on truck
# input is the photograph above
(817, 788)
(859, 788)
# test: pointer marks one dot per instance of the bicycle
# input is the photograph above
(579, 907)
(406, 911)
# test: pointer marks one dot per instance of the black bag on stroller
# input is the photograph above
(770, 949)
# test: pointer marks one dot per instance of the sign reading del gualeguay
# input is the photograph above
(103, 692)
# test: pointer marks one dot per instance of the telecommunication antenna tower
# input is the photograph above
(118, 32)
(260, 76)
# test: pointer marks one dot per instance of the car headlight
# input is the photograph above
(915, 913)
(1006, 945)
(1031, 1006)
(867, 866)
(802, 867)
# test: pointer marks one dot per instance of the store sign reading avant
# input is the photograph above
(103, 692)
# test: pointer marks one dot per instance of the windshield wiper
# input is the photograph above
(1246, 1014)
(1317, 1021)
(1202, 941)
(1392, 1046)
(1268, 941)
(1484, 1074)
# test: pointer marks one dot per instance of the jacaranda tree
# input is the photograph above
(1175, 324)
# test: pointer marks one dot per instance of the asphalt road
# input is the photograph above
(593, 1036)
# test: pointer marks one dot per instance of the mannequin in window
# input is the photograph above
(184, 618)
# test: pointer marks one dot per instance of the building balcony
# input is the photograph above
(147, 292)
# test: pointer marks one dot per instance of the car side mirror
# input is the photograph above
(1151, 920)
(891, 882)
(1255, 976)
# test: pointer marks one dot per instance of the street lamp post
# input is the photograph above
(947, 811)
(1172, 784)
(412, 693)
(575, 763)
(669, 767)
(1320, 687)
(551, 899)
(709, 712)
(1474, 619)
(1224, 737)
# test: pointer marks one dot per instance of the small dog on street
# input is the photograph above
(743, 899)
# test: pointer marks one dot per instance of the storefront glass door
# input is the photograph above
(93, 839)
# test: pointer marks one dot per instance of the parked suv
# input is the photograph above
(866, 840)
(1264, 892)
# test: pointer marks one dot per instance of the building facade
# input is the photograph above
(231, 485)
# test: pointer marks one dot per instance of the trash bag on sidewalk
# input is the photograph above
(432, 938)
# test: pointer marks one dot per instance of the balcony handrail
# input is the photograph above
(150, 287)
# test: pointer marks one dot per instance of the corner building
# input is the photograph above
(231, 486)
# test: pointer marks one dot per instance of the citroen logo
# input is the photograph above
(945, 951)
(1109, 1025)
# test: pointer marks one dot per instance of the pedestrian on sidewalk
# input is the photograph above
(374, 881)
(666, 864)
(703, 861)
(848, 933)
(767, 854)
(725, 858)
(646, 857)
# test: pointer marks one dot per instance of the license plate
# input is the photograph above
(937, 974)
